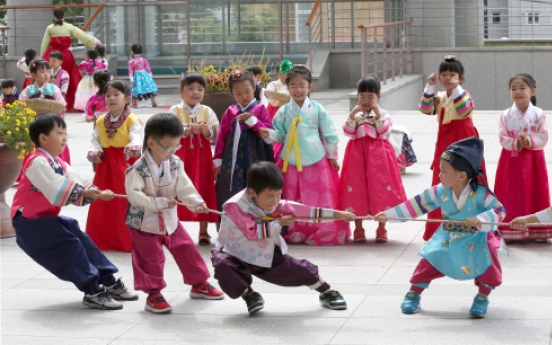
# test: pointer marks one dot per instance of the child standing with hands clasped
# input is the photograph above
(308, 160)
(465, 249)
(370, 181)
(200, 126)
(250, 244)
(87, 88)
(239, 143)
(521, 181)
(116, 141)
(454, 108)
(153, 185)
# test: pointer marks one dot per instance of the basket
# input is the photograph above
(282, 96)
(45, 106)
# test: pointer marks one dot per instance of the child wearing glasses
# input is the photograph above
(152, 186)
(115, 144)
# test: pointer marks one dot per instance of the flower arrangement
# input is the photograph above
(14, 131)
(217, 78)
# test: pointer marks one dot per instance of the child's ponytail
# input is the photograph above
(101, 78)
(30, 55)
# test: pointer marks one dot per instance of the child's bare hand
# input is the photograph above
(171, 202)
(380, 217)
(92, 193)
(107, 195)
(286, 220)
(357, 109)
(346, 216)
(263, 133)
(432, 79)
(473, 222)
(216, 173)
(334, 164)
(454, 82)
(187, 130)
(134, 153)
(243, 117)
(376, 109)
(96, 160)
(205, 130)
(196, 129)
(202, 208)
(519, 223)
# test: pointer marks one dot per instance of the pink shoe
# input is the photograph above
(206, 291)
(381, 235)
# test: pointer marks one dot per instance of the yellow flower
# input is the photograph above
(23, 144)
(20, 157)
(26, 130)
(16, 147)
(8, 132)
(17, 129)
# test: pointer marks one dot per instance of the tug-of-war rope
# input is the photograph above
(370, 217)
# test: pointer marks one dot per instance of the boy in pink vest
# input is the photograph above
(58, 76)
(57, 242)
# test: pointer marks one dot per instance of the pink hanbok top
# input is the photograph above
(89, 67)
(95, 107)
(138, 63)
(367, 125)
(58, 96)
(532, 124)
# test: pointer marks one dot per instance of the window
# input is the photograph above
(533, 18)
(496, 17)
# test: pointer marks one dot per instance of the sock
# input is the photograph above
(109, 280)
(485, 289)
(419, 288)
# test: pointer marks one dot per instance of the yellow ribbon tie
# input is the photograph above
(293, 142)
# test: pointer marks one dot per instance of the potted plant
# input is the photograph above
(217, 95)
(14, 144)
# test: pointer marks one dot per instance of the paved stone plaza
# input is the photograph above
(37, 308)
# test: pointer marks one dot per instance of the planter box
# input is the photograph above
(9, 170)
(219, 102)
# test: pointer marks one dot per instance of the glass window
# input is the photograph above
(496, 18)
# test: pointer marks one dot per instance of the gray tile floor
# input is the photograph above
(37, 308)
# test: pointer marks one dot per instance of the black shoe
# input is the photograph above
(254, 301)
(333, 300)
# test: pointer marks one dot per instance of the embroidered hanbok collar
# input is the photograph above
(161, 174)
(192, 112)
(55, 73)
(243, 109)
(247, 204)
(53, 162)
(521, 113)
(306, 105)
(111, 127)
(460, 201)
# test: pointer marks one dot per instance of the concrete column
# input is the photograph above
(27, 26)
(468, 21)
(433, 23)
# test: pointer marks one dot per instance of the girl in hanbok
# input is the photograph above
(521, 181)
(239, 143)
(370, 181)
(139, 71)
(58, 37)
(87, 88)
(454, 110)
(24, 63)
(308, 160)
(282, 69)
(96, 104)
(200, 127)
(115, 145)
(42, 88)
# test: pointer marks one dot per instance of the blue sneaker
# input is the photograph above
(479, 306)
(411, 303)
(254, 301)
(332, 299)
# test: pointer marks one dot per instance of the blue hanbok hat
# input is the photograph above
(466, 155)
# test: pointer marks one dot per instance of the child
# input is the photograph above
(308, 160)
(139, 72)
(257, 74)
(58, 76)
(282, 69)
(96, 104)
(152, 186)
(40, 72)
(56, 242)
(238, 142)
(454, 109)
(10, 93)
(250, 243)
(200, 127)
(86, 88)
(370, 181)
(401, 140)
(461, 250)
(24, 63)
(101, 55)
(521, 181)
(116, 139)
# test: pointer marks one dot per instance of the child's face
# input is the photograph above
(447, 78)
(192, 93)
(449, 176)
(7, 90)
(115, 100)
(521, 93)
(267, 199)
(55, 63)
(299, 89)
(243, 92)
(41, 76)
(162, 149)
(54, 143)
(257, 78)
(367, 100)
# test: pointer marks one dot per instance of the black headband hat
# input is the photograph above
(466, 155)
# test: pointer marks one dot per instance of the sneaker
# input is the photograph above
(381, 235)
(254, 301)
(204, 239)
(206, 291)
(358, 235)
(119, 292)
(332, 299)
(156, 303)
(479, 307)
(411, 303)
(541, 240)
(101, 300)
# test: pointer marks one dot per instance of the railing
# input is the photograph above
(394, 36)
(315, 26)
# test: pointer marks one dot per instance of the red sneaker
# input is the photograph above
(381, 235)
(156, 303)
(206, 291)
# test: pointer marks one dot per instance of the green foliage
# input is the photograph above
(255, 26)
